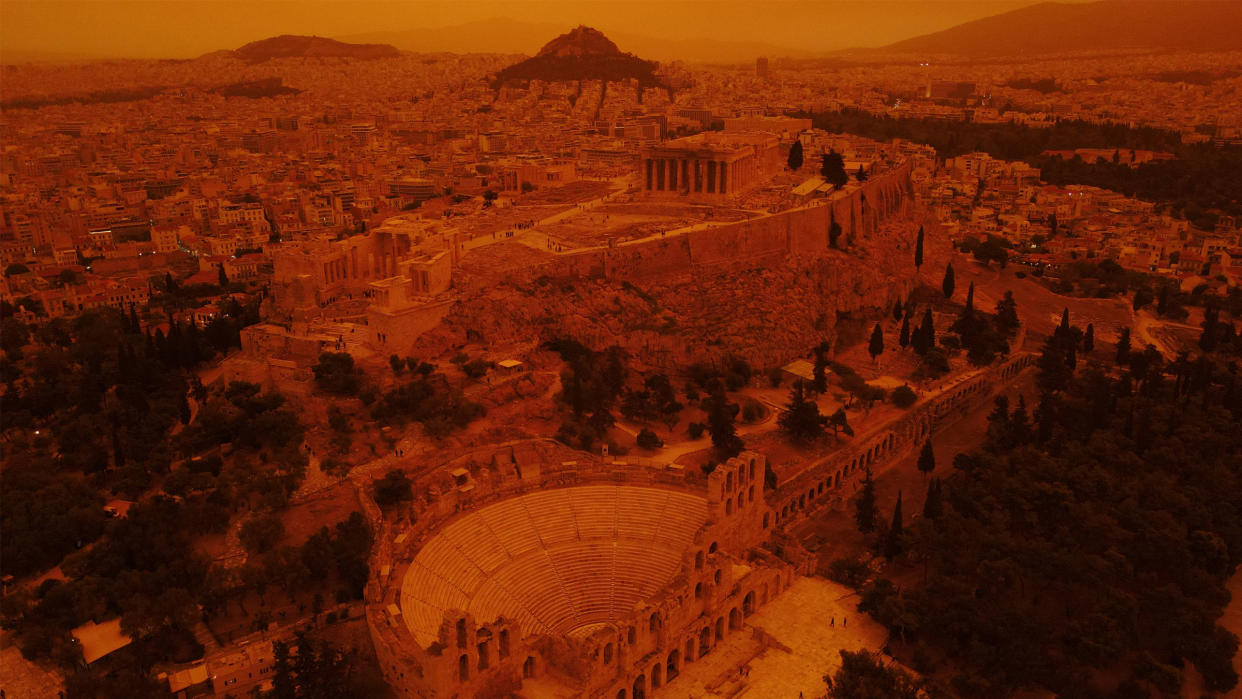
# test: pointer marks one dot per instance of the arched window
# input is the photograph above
(655, 623)
(461, 633)
(729, 506)
(608, 654)
(698, 591)
(719, 575)
(712, 548)
(463, 668)
(504, 643)
(483, 659)
(698, 561)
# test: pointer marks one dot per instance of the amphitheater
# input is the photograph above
(571, 580)
(561, 562)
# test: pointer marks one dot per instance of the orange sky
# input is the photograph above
(186, 28)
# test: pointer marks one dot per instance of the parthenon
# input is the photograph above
(710, 165)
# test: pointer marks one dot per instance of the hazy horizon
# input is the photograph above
(77, 29)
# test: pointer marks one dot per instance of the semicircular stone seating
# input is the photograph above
(562, 561)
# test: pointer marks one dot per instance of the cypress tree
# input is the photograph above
(897, 310)
(932, 504)
(876, 347)
(970, 302)
(1211, 320)
(795, 156)
(118, 454)
(1123, 346)
(892, 542)
(864, 508)
(1088, 340)
(819, 382)
(929, 328)
(927, 458)
(949, 281)
(918, 250)
(904, 337)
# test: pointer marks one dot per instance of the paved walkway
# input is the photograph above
(807, 647)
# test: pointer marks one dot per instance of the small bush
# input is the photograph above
(751, 412)
(648, 439)
(850, 572)
(903, 397)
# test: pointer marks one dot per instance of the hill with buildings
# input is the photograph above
(581, 54)
(292, 46)
(507, 35)
(1050, 28)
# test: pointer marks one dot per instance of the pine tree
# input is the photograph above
(892, 541)
(949, 281)
(904, 337)
(795, 156)
(927, 458)
(876, 347)
(833, 170)
(1088, 340)
(1123, 346)
(801, 418)
(864, 508)
(918, 250)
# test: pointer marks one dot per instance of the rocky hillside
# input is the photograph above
(291, 46)
(581, 54)
(1049, 28)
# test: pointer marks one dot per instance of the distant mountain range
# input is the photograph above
(291, 46)
(504, 35)
(582, 53)
(1047, 28)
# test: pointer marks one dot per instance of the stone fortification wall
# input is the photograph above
(762, 240)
